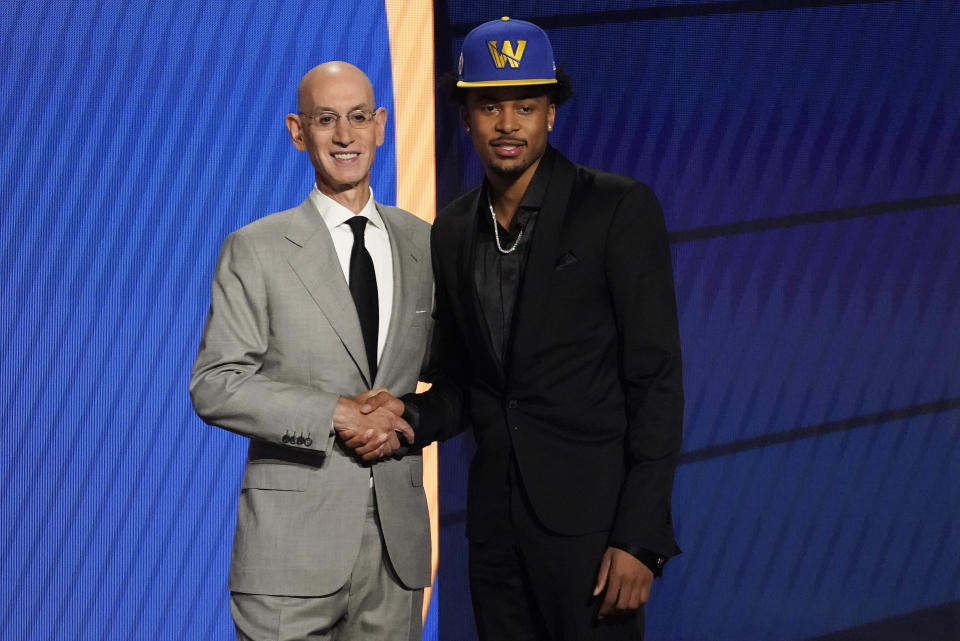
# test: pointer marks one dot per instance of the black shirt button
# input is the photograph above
(511, 404)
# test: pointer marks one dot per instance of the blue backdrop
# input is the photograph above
(136, 136)
(807, 155)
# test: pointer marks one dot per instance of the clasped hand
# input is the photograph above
(368, 424)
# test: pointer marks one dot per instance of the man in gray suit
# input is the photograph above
(311, 308)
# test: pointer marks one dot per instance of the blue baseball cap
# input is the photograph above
(506, 52)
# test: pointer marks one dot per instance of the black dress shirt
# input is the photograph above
(498, 276)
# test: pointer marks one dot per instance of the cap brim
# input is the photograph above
(508, 83)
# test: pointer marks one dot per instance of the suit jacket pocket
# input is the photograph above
(416, 470)
(578, 282)
(274, 476)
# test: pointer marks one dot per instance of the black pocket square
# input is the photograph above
(566, 260)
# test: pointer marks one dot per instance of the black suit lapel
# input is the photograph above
(471, 315)
(529, 313)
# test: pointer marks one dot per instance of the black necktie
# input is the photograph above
(363, 288)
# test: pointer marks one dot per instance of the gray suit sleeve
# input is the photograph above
(228, 387)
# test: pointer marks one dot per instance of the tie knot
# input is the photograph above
(358, 224)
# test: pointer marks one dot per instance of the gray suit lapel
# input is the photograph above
(408, 261)
(316, 265)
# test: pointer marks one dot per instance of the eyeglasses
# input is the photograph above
(326, 120)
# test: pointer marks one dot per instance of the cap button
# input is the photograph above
(505, 18)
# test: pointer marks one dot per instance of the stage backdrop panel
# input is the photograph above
(137, 135)
(806, 155)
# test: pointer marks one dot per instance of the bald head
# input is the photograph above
(332, 77)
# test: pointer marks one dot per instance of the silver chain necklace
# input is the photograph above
(496, 233)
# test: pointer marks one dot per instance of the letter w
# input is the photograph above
(514, 57)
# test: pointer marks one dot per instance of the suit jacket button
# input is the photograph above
(308, 441)
(285, 439)
(511, 404)
(300, 440)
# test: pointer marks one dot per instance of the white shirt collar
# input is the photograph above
(334, 214)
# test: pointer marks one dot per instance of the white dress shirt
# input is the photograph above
(377, 242)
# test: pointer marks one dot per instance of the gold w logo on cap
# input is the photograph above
(507, 53)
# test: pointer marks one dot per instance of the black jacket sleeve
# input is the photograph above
(640, 279)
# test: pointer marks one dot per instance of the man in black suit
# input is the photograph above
(558, 343)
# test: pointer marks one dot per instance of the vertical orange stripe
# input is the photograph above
(411, 53)
(410, 23)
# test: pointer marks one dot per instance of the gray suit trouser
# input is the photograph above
(372, 606)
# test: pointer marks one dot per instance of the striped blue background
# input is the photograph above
(808, 161)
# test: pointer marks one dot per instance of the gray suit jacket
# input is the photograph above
(282, 342)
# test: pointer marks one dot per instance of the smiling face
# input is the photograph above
(341, 156)
(508, 127)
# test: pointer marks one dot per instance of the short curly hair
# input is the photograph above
(558, 93)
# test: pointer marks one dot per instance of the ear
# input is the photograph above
(465, 118)
(380, 122)
(295, 127)
(551, 115)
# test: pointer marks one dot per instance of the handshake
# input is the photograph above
(370, 424)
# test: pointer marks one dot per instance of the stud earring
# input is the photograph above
(549, 127)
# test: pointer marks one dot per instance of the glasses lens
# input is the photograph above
(323, 120)
(360, 119)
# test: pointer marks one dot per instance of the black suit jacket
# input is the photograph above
(589, 398)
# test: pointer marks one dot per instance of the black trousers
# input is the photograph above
(530, 584)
